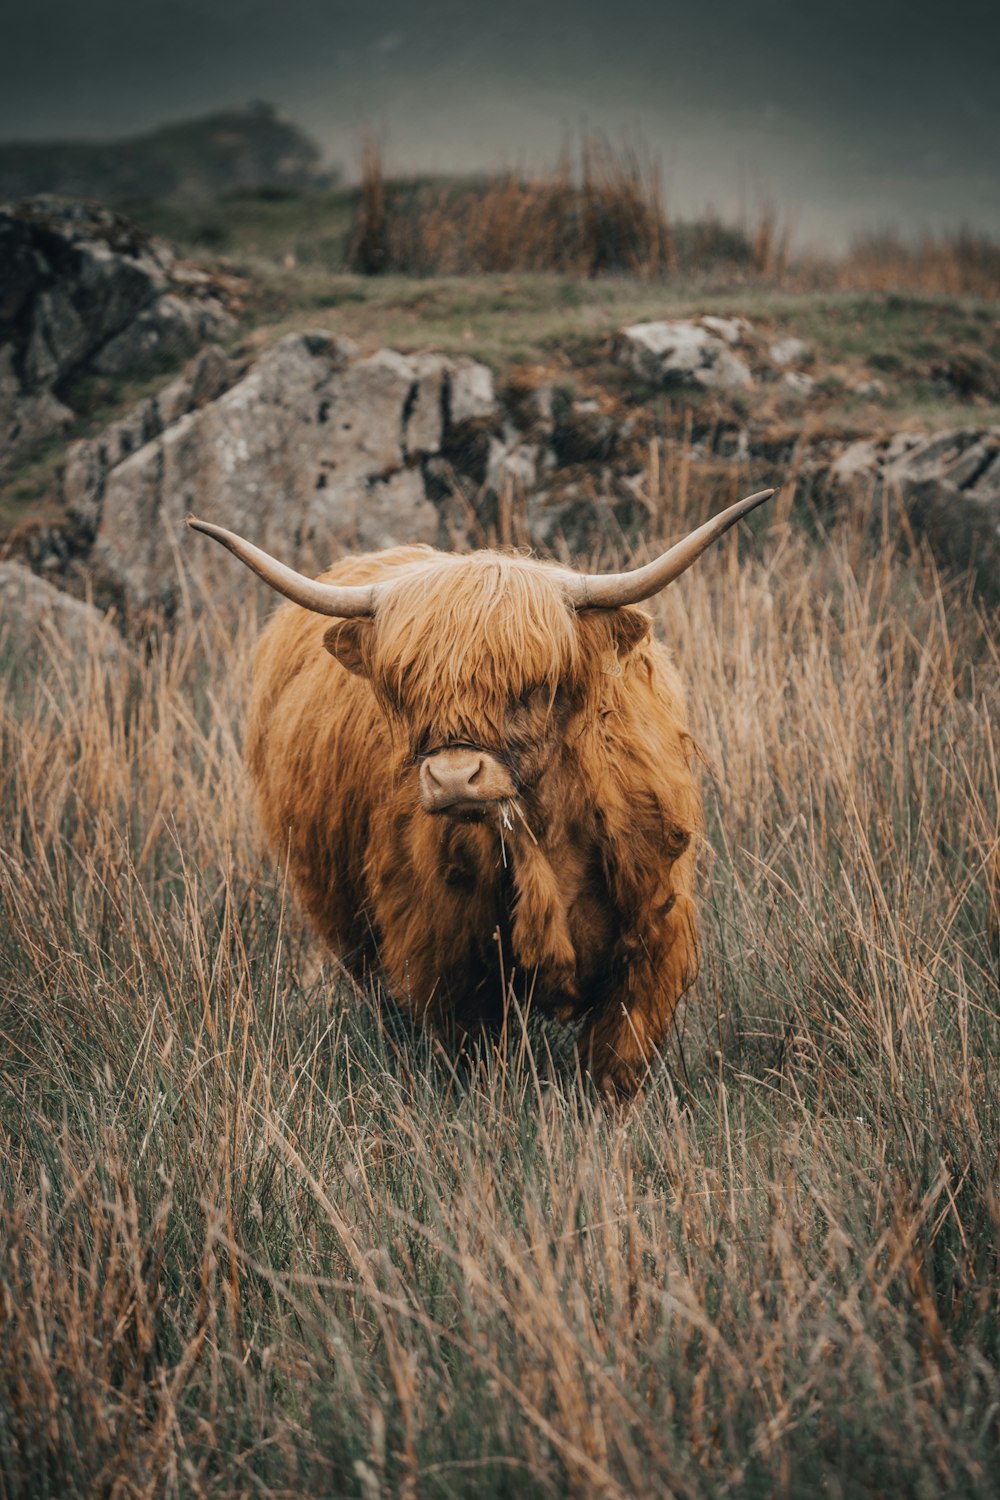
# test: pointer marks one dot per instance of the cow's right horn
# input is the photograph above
(346, 601)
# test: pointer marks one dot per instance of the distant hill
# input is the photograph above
(247, 149)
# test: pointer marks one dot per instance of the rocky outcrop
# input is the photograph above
(316, 449)
(312, 449)
(33, 611)
(83, 292)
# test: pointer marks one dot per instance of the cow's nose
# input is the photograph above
(456, 777)
(460, 781)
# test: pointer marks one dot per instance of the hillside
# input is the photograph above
(828, 370)
(250, 148)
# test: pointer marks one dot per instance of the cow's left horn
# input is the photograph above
(609, 590)
(345, 600)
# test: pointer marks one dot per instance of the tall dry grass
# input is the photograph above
(956, 264)
(601, 209)
(258, 1238)
(604, 212)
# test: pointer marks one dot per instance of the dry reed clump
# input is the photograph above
(257, 1238)
(950, 265)
(606, 215)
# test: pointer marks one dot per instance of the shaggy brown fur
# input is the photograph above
(587, 897)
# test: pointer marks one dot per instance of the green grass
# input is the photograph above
(526, 316)
(260, 1238)
(32, 491)
(535, 318)
(267, 226)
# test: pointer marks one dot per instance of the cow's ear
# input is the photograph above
(629, 627)
(617, 630)
(346, 640)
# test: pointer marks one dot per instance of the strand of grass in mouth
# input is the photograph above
(505, 822)
(507, 807)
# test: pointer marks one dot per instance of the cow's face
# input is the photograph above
(482, 665)
(483, 661)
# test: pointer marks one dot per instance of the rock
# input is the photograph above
(516, 467)
(797, 383)
(530, 401)
(869, 389)
(583, 433)
(44, 631)
(380, 513)
(683, 354)
(426, 413)
(166, 331)
(733, 330)
(539, 408)
(89, 462)
(790, 351)
(471, 395)
(859, 463)
(578, 515)
(313, 449)
(33, 611)
(83, 291)
(27, 418)
(947, 484)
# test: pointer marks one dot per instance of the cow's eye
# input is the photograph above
(531, 700)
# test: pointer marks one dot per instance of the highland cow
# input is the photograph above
(480, 774)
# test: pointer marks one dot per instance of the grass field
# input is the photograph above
(257, 1238)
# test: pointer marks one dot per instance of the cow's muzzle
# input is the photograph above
(463, 782)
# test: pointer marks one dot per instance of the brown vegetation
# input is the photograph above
(607, 213)
(951, 265)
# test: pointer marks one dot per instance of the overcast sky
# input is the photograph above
(843, 114)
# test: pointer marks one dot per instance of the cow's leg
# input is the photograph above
(622, 1037)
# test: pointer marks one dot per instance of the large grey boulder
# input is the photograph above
(314, 449)
(686, 353)
(82, 291)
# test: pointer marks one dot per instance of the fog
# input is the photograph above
(843, 117)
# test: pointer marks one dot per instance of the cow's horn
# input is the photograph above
(608, 590)
(347, 601)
